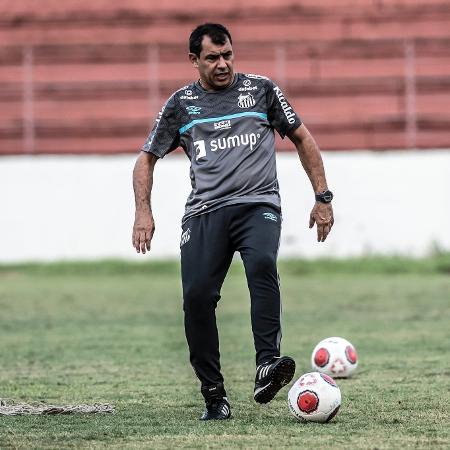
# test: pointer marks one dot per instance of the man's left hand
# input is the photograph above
(322, 215)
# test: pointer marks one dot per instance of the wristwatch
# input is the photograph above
(324, 197)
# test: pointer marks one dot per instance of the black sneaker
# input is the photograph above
(271, 376)
(217, 406)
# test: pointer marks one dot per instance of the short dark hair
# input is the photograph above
(217, 32)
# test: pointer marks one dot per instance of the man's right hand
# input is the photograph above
(143, 230)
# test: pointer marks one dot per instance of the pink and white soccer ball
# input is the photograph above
(335, 356)
(314, 397)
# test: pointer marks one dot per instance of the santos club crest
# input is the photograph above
(246, 100)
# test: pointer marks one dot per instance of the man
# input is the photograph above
(225, 123)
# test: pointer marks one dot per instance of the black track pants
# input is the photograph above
(208, 243)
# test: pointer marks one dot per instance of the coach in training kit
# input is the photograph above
(225, 124)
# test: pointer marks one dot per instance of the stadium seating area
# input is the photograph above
(89, 76)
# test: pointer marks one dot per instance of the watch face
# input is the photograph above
(325, 197)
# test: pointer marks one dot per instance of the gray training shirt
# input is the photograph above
(228, 135)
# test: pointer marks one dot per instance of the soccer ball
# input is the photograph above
(314, 397)
(334, 356)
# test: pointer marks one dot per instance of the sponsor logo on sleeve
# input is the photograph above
(161, 113)
(157, 120)
(287, 109)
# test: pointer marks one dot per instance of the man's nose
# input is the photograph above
(221, 62)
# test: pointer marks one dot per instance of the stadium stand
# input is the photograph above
(89, 76)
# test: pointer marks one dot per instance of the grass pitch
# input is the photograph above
(113, 332)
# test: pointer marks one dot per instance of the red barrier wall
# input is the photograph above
(89, 76)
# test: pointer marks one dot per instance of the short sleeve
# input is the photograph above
(165, 135)
(280, 113)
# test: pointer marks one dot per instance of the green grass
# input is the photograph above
(113, 332)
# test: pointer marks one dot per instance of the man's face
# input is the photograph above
(215, 64)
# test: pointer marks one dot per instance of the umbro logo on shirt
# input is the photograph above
(193, 109)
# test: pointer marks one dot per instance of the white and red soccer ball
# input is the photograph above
(314, 397)
(335, 357)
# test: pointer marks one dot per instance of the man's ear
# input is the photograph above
(193, 58)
